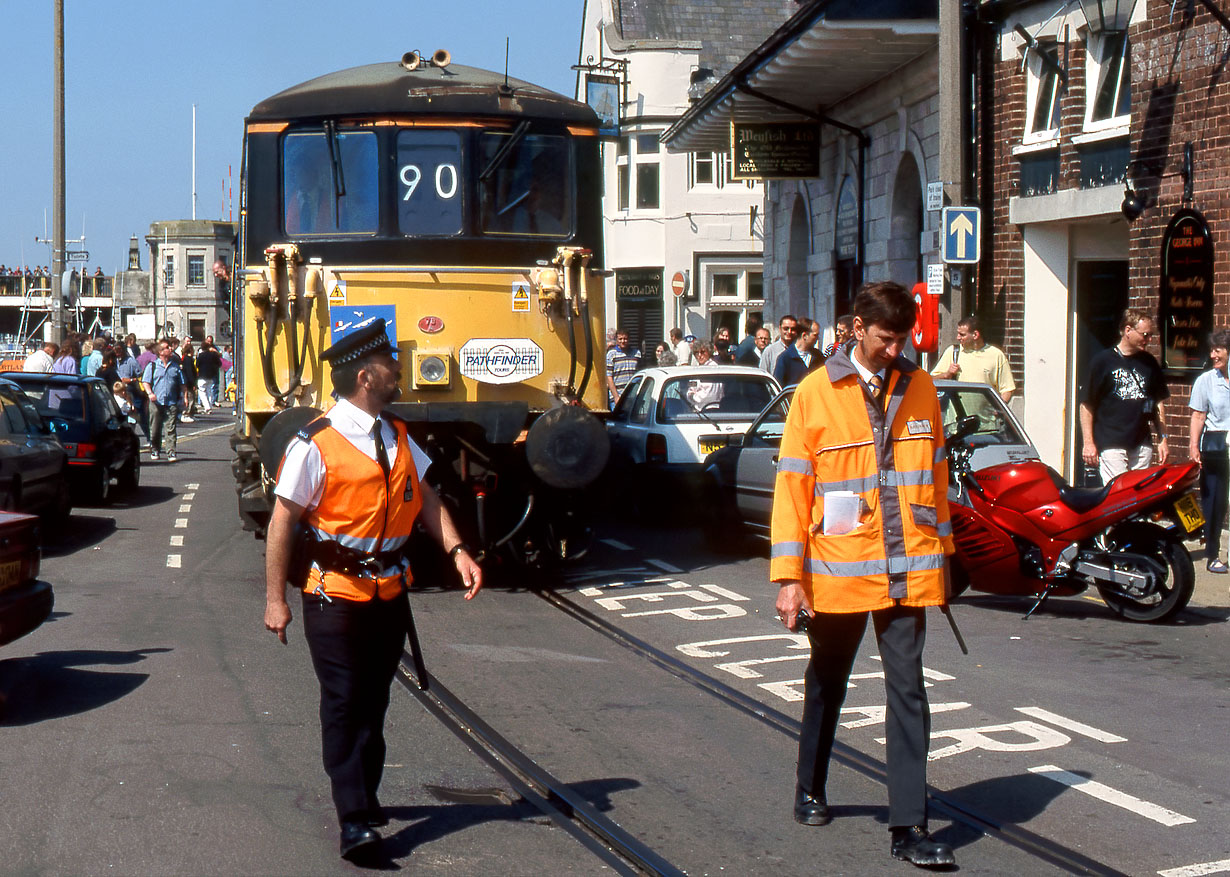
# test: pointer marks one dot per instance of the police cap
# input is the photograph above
(358, 344)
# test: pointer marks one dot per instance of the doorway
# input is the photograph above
(1101, 298)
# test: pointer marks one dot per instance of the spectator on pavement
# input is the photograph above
(748, 344)
(129, 371)
(208, 371)
(1210, 407)
(621, 364)
(759, 344)
(187, 364)
(164, 384)
(682, 347)
(663, 354)
(42, 359)
(1125, 395)
(789, 328)
(66, 362)
(843, 331)
(974, 361)
(800, 358)
(723, 350)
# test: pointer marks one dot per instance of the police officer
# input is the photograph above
(349, 491)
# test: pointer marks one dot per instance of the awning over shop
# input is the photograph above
(824, 54)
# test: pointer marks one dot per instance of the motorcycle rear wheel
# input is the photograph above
(1175, 590)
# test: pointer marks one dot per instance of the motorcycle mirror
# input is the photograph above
(967, 425)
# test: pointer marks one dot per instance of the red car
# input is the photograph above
(25, 602)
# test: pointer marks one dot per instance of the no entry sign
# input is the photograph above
(679, 283)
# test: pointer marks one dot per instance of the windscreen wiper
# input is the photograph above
(505, 148)
(335, 162)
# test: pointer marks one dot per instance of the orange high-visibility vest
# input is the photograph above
(359, 510)
(893, 457)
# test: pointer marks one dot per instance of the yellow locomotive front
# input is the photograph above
(464, 209)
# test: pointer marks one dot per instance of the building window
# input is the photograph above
(725, 285)
(196, 269)
(1109, 105)
(755, 286)
(1043, 90)
(648, 171)
(169, 271)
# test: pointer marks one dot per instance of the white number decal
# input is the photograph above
(413, 184)
(452, 184)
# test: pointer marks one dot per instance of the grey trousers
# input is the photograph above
(164, 418)
(901, 632)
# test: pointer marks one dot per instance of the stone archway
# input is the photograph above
(906, 225)
(798, 281)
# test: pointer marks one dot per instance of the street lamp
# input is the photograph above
(1106, 17)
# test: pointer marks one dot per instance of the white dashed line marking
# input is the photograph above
(1070, 724)
(192, 486)
(1220, 867)
(185, 509)
(616, 544)
(188, 497)
(173, 561)
(181, 523)
(177, 541)
(1112, 796)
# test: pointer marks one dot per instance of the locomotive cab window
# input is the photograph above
(527, 188)
(429, 189)
(329, 183)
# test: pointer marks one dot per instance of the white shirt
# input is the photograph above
(38, 361)
(866, 373)
(303, 470)
(683, 353)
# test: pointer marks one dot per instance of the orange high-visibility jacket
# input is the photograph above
(361, 511)
(838, 439)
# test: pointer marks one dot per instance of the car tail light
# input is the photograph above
(655, 448)
(85, 450)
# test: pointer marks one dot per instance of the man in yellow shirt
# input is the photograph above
(976, 362)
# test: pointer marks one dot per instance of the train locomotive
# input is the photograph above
(464, 208)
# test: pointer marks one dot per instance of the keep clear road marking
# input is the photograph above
(1112, 796)
(173, 561)
(1070, 724)
(1200, 870)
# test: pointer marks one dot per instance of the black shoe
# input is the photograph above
(376, 817)
(912, 844)
(358, 841)
(811, 809)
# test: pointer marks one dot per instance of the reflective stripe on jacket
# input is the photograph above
(363, 512)
(838, 439)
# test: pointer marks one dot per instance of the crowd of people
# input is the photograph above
(156, 385)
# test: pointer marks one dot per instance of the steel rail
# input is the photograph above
(564, 807)
(1035, 845)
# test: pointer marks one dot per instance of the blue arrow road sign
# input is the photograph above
(962, 235)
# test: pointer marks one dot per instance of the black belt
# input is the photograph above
(332, 556)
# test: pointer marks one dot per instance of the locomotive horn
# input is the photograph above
(441, 58)
(411, 60)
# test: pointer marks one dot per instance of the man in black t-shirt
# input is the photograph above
(1124, 395)
(208, 370)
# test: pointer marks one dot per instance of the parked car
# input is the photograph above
(33, 462)
(101, 444)
(741, 476)
(25, 602)
(669, 419)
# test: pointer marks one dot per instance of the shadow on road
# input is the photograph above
(1079, 609)
(1007, 800)
(51, 685)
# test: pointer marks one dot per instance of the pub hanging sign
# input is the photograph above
(1186, 291)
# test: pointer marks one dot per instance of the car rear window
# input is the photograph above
(59, 400)
(720, 397)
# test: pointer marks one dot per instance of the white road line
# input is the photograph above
(188, 497)
(181, 523)
(1220, 867)
(591, 592)
(173, 561)
(663, 565)
(616, 544)
(1070, 724)
(185, 509)
(192, 486)
(1112, 796)
(177, 541)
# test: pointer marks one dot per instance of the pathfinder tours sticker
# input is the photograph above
(500, 360)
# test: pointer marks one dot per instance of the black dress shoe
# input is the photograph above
(912, 844)
(358, 841)
(811, 809)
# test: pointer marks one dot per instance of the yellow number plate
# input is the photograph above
(10, 574)
(1189, 513)
(709, 445)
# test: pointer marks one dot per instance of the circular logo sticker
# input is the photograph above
(502, 360)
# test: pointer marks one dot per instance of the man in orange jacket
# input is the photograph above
(352, 484)
(861, 527)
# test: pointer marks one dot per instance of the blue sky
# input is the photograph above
(133, 70)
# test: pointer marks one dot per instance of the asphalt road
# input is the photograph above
(154, 727)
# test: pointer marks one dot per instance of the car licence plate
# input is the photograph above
(1189, 513)
(10, 574)
(710, 443)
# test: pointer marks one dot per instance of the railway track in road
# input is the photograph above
(554, 798)
(1041, 848)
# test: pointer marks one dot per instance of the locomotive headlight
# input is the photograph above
(432, 369)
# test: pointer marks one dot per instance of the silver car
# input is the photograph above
(741, 477)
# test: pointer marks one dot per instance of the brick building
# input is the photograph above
(1070, 122)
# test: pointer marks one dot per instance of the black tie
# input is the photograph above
(382, 456)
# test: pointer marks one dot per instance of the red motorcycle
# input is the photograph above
(1021, 529)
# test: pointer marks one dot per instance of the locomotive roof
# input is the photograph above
(388, 88)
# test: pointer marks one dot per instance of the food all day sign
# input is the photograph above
(774, 150)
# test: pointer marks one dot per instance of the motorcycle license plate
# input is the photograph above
(1189, 513)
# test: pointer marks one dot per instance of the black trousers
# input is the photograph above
(1214, 483)
(355, 650)
(901, 632)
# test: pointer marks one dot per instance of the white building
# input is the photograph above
(187, 300)
(668, 215)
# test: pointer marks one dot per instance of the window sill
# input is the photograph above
(1040, 146)
(1096, 136)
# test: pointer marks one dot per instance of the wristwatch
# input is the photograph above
(456, 549)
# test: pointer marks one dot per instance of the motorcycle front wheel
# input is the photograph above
(1175, 589)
